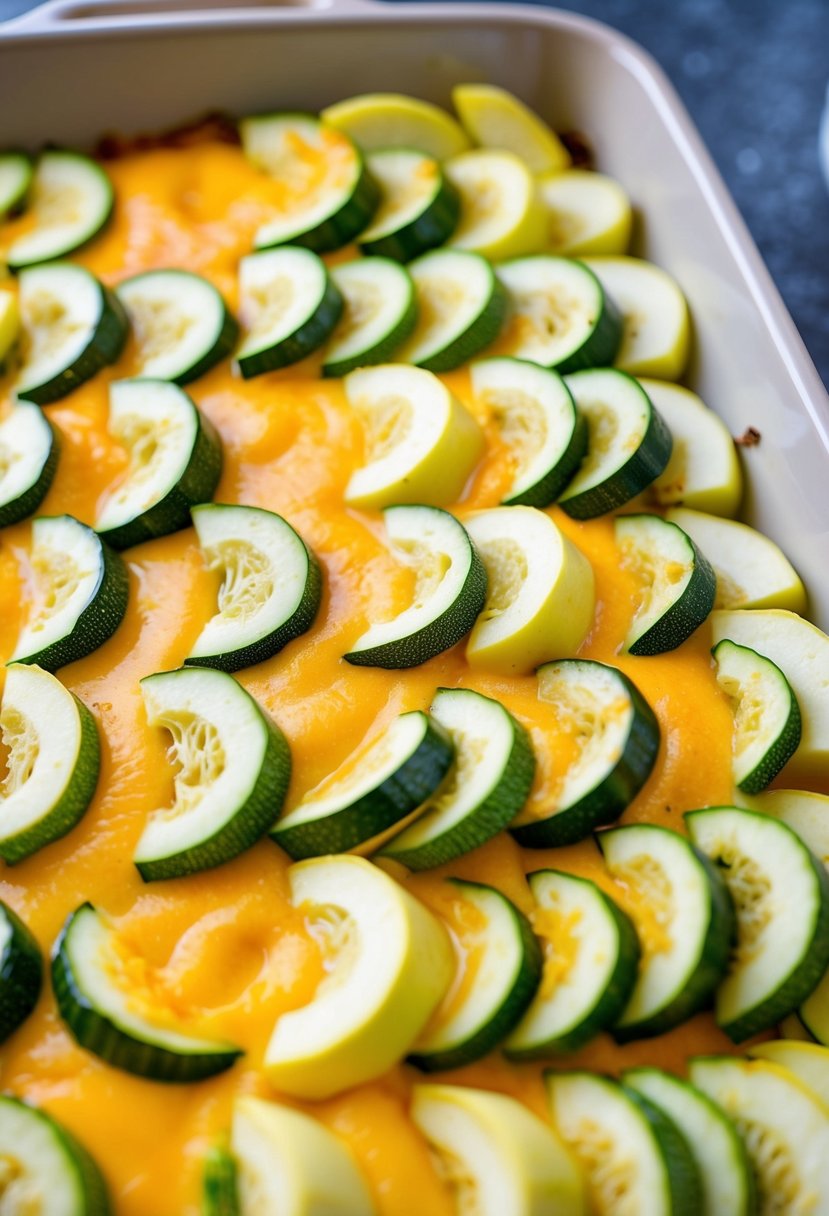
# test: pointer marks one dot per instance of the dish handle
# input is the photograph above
(59, 15)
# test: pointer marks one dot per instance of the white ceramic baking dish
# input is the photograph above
(75, 68)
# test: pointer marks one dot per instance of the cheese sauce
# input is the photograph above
(224, 951)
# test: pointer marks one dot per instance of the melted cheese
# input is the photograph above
(226, 949)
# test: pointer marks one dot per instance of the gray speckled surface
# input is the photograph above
(753, 74)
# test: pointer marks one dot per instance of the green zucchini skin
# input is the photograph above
(431, 228)
(344, 225)
(602, 345)
(21, 974)
(302, 342)
(480, 334)
(685, 615)
(27, 503)
(686, 1188)
(87, 1180)
(220, 1194)
(548, 488)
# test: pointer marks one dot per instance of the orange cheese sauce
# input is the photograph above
(224, 951)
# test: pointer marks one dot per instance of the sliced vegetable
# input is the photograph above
(270, 586)
(501, 213)
(289, 305)
(220, 1183)
(21, 976)
(329, 193)
(814, 1012)
(809, 1062)
(181, 324)
(538, 422)
(420, 443)
(29, 452)
(460, 307)
(677, 583)
(541, 591)
(52, 765)
(625, 1146)
(766, 715)
(718, 1151)
(390, 964)
(781, 898)
(231, 768)
(449, 591)
(45, 1168)
(485, 789)
(806, 813)
(752, 572)
(379, 314)
(376, 787)
(587, 213)
(291, 1164)
(496, 1156)
(704, 471)
(80, 594)
(392, 120)
(495, 118)
(95, 996)
(71, 200)
(9, 323)
(685, 923)
(16, 173)
(175, 461)
(613, 741)
(591, 954)
(501, 969)
(628, 443)
(656, 327)
(72, 326)
(558, 315)
(419, 207)
(784, 1127)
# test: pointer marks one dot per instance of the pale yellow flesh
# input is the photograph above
(495, 118)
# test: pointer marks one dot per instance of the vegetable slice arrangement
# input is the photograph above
(449, 399)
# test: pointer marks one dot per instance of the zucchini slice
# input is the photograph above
(558, 314)
(501, 213)
(231, 765)
(16, 174)
(539, 424)
(656, 328)
(328, 193)
(420, 443)
(685, 923)
(613, 738)
(393, 120)
(814, 1012)
(801, 652)
(53, 761)
(806, 813)
(376, 787)
(678, 584)
(752, 572)
(501, 970)
(270, 590)
(591, 955)
(21, 976)
(495, 1155)
(495, 118)
(587, 213)
(809, 1062)
(460, 306)
(72, 327)
(704, 471)
(766, 714)
(625, 1146)
(781, 899)
(97, 1001)
(379, 314)
(290, 1163)
(29, 450)
(389, 965)
(541, 591)
(181, 324)
(419, 207)
(628, 443)
(9, 325)
(485, 789)
(718, 1151)
(289, 305)
(784, 1127)
(220, 1183)
(70, 199)
(449, 591)
(175, 461)
(45, 1168)
(81, 592)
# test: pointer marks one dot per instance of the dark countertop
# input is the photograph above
(753, 74)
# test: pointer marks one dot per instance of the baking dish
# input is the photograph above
(749, 361)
